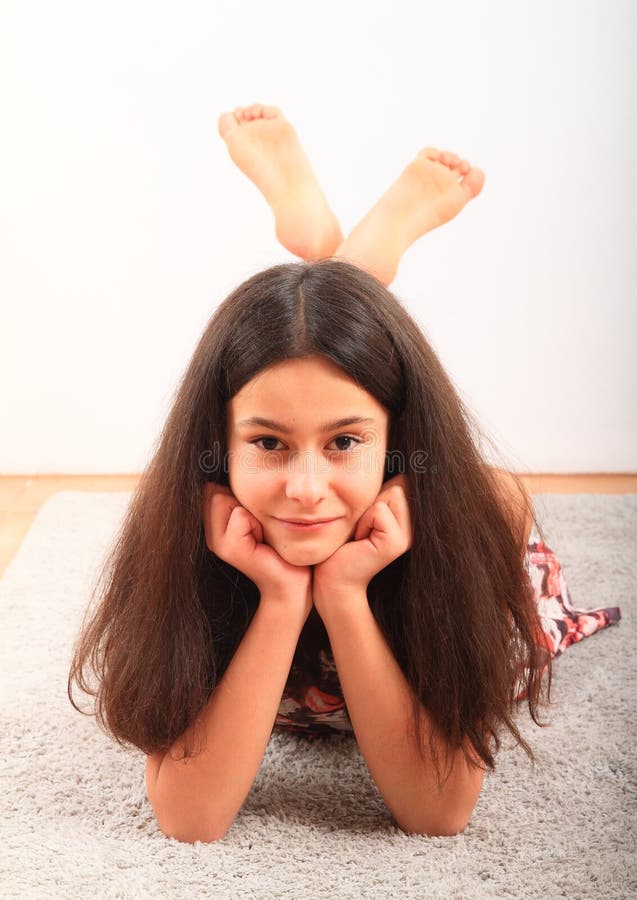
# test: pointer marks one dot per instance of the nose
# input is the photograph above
(305, 481)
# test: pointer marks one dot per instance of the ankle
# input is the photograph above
(384, 269)
(375, 249)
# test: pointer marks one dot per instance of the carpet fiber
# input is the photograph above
(75, 820)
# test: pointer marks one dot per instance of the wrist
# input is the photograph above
(290, 601)
(334, 601)
(281, 620)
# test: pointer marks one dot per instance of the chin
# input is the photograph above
(305, 556)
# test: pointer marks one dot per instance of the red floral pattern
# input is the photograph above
(321, 707)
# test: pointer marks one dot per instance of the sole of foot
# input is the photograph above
(265, 146)
(430, 191)
(437, 185)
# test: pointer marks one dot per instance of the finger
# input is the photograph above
(396, 535)
(255, 526)
(206, 497)
(222, 505)
(402, 515)
(396, 499)
(400, 510)
(244, 524)
(212, 489)
(377, 522)
(399, 480)
(397, 502)
(365, 524)
(213, 526)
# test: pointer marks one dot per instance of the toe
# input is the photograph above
(449, 159)
(473, 182)
(271, 112)
(463, 167)
(227, 124)
(255, 111)
(431, 153)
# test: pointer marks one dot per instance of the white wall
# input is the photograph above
(123, 222)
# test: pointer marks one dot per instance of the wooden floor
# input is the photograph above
(21, 496)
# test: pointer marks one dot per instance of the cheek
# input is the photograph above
(251, 495)
(364, 485)
(244, 480)
(358, 494)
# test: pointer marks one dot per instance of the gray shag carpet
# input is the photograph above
(76, 822)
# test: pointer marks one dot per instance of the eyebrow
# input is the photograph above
(328, 426)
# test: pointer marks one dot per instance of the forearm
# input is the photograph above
(379, 704)
(198, 799)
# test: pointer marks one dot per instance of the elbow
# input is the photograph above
(188, 830)
(452, 818)
(190, 834)
(449, 830)
(439, 829)
(183, 823)
(185, 836)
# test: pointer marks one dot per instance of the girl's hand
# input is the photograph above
(234, 535)
(383, 533)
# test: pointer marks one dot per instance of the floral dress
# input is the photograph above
(320, 708)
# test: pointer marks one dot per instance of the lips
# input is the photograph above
(305, 525)
(306, 521)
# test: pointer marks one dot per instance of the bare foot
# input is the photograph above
(430, 191)
(264, 145)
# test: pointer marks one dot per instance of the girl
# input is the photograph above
(317, 544)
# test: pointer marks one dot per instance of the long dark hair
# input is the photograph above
(457, 609)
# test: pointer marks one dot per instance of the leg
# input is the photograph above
(266, 148)
(431, 191)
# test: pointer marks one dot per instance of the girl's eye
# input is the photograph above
(258, 441)
(352, 441)
(344, 437)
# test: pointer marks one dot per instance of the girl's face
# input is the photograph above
(303, 460)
